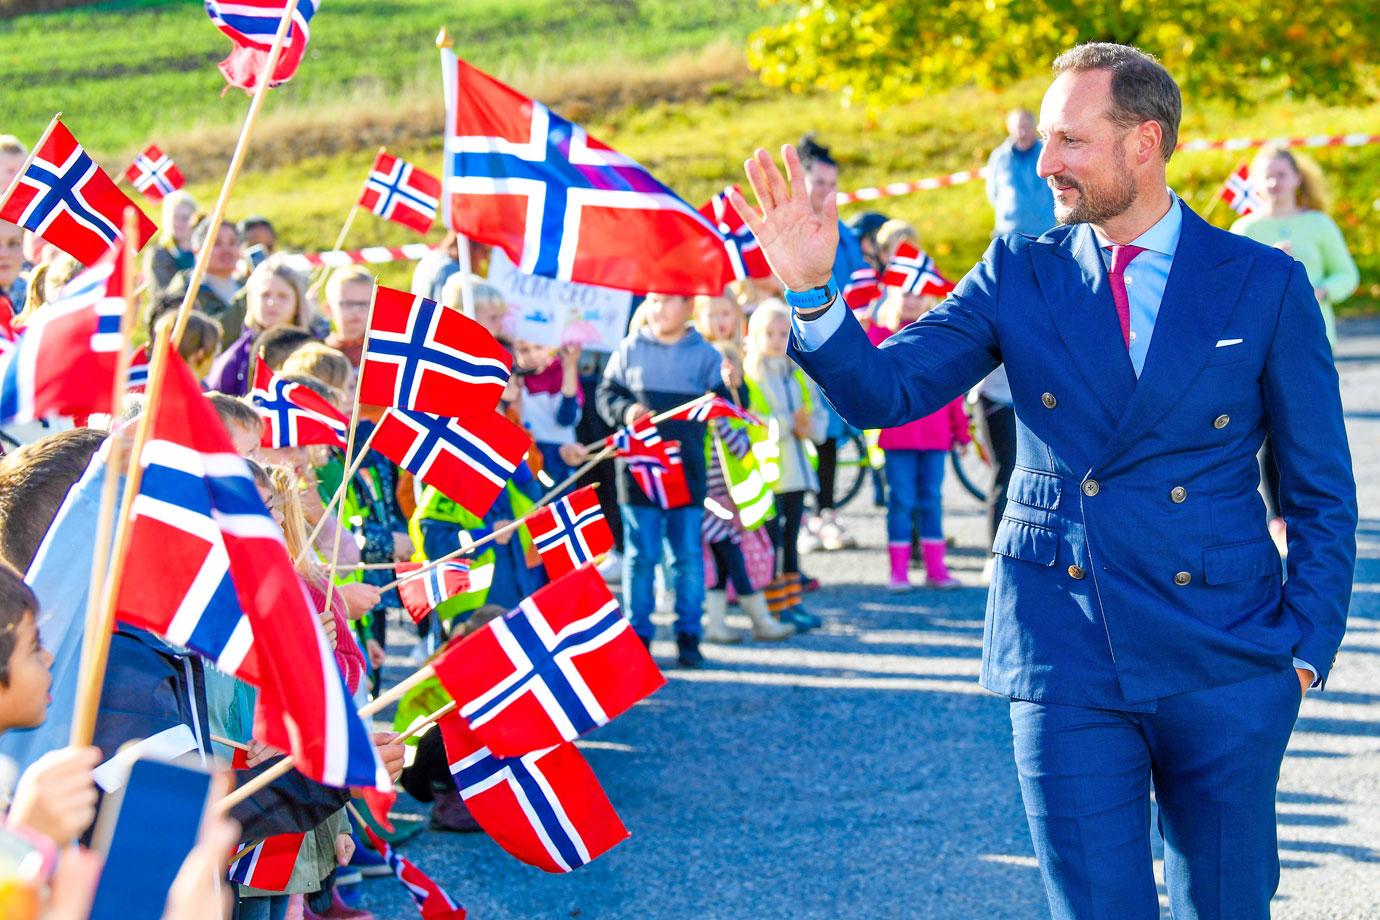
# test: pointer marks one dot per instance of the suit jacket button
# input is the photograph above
(1182, 579)
(1049, 400)
(1222, 421)
(1178, 494)
(1091, 488)
(1076, 572)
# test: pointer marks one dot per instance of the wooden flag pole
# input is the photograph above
(28, 160)
(661, 416)
(469, 548)
(349, 474)
(92, 675)
(388, 698)
(416, 728)
(203, 258)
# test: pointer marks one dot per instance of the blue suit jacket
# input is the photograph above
(1147, 488)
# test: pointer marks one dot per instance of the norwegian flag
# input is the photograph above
(565, 662)
(268, 864)
(64, 197)
(431, 898)
(639, 437)
(293, 415)
(862, 289)
(424, 357)
(64, 362)
(139, 369)
(545, 808)
(570, 532)
(398, 191)
(561, 204)
(155, 174)
(743, 249)
(1239, 192)
(469, 460)
(207, 569)
(252, 26)
(652, 462)
(425, 593)
(718, 407)
(913, 271)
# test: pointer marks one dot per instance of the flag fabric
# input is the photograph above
(744, 252)
(154, 173)
(913, 271)
(252, 26)
(398, 191)
(64, 362)
(139, 369)
(207, 568)
(268, 864)
(64, 197)
(561, 664)
(570, 532)
(563, 205)
(432, 900)
(1239, 192)
(424, 357)
(718, 407)
(426, 592)
(294, 415)
(653, 463)
(639, 437)
(469, 460)
(546, 808)
(862, 289)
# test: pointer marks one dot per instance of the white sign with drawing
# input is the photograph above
(552, 312)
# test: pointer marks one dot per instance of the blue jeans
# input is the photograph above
(644, 529)
(915, 485)
(270, 907)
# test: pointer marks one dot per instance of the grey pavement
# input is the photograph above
(860, 771)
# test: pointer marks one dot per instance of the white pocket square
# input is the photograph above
(1223, 343)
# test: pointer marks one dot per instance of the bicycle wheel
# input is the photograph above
(851, 469)
(973, 471)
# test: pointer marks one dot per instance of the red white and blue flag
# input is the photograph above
(653, 463)
(207, 569)
(268, 864)
(294, 416)
(570, 532)
(424, 593)
(64, 197)
(913, 271)
(563, 205)
(717, 407)
(64, 361)
(432, 900)
(744, 252)
(398, 191)
(139, 369)
(862, 289)
(1239, 192)
(252, 26)
(546, 808)
(469, 460)
(424, 357)
(154, 173)
(565, 662)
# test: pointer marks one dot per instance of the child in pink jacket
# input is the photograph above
(915, 457)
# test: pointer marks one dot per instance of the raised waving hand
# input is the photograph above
(798, 236)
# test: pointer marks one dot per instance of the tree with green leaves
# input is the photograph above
(879, 52)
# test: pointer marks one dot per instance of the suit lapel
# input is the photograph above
(1204, 285)
(1073, 280)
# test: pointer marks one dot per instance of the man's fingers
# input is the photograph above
(829, 210)
(776, 183)
(746, 211)
(757, 178)
(795, 171)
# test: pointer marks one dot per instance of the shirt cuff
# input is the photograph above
(1300, 663)
(812, 333)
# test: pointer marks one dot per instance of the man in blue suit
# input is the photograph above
(1138, 618)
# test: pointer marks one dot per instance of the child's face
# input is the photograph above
(24, 702)
(533, 357)
(668, 313)
(914, 306)
(723, 319)
(245, 439)
(491, 317)
(273, 304)
(350, 309)
(774, 337)
(11, 255)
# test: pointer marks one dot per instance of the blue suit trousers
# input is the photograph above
(1213, 757)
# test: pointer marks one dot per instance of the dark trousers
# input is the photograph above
(1213, 757)
(1000, 420)
(827, 452)
(729, 566)
(785, 531)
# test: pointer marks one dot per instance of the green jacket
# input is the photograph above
(436, 507)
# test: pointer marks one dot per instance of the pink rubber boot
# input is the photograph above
(900, 562)
(936, 572)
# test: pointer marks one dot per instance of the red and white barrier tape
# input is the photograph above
(1236, 143)
(370, 255)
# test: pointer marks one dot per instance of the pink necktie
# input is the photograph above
(1121, 257)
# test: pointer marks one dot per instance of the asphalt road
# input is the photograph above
(860, 771)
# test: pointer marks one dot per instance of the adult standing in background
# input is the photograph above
(1022, 200)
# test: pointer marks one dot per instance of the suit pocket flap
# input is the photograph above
(1027, 542)
(1035, 489)
(1239, 561)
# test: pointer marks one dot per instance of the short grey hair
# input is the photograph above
(1142, 90)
